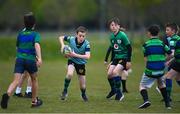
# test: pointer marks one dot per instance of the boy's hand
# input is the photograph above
(105, 62)
(62, 47)
(108, 65)
(72, 54)
(39, 62)
(128, 65)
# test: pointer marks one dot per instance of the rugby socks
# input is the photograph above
(117, 80)
(28, 89)
(168, 86)
(123, 84)
(111, 83)
(66, 84)
(164, 94)
(144, 94)
(178, 82)
(83, 91)
(18, 90)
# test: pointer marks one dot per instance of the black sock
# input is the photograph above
(144, 94)
(83, 91)
(117, 83)
(66, 84)
(164, 95)
(124, 84)
(111, 83)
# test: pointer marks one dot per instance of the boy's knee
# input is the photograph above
(33, 79)
(110, 74)
(16, 82)
(141, 87)
(69, 75)
(115, 73)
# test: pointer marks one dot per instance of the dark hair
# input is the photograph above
(29, 20)
(81, 29)
(154, 30)
(173, 26)
(115, 20)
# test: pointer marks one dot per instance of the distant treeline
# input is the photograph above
(63, 14)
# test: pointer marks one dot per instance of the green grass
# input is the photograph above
(51, 79)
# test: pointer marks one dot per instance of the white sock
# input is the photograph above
(28, 89)
(18, 90)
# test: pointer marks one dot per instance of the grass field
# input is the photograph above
(51, 79)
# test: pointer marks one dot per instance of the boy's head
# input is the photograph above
(29, 20)
(153, 30)
(81, 33)
(114, 24)
(171, 29)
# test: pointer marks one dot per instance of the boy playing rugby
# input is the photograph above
(28, 58)
(76, 60)
(155, 56)
(122, 58)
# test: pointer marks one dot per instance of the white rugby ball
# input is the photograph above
(67, 49)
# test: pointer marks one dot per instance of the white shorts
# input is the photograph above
(147, 82)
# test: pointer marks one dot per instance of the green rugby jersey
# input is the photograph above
(155, 51)
(118, 44)
(177, 51)
(25, 44)
(173, 40)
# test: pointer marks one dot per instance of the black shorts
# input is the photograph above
(175, 66)
(120, 61)
(22, 65)
(80, 68)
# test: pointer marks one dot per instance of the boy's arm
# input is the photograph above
(129, 49)
(145, 59)
(38, 54)
(87, 55)
(107, 54)
(61, 41)
(128, 64)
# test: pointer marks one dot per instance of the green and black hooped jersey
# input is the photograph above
(119, 44)
(155, 51)
(177, 51)
(173, 41)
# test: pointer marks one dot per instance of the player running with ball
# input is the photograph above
(77, 58)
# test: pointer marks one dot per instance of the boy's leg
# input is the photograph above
(32, 69)
(82, 83)
(162, 87)
(11, 88)
(34, 86)
(28, 92)
(13, 85)
(178, 78)
(170, 74)
(111, 81)
(169, 87)
(118, 70)
(19, 87)
(146, 82)
(123, 79)
(67, 80)
(81, 72)
(35, 101)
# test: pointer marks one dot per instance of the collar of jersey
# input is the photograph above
(25, 29)
(78, 45)
(116, 34)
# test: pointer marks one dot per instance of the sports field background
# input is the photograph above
(53, 71)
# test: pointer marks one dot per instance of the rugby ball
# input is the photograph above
(66, 50)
